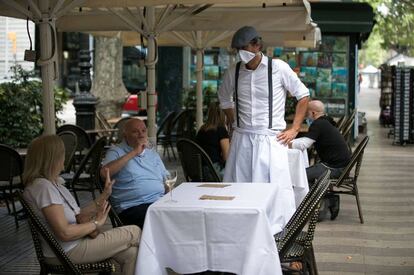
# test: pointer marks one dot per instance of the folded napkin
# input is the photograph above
(213, 185)
(217, 198)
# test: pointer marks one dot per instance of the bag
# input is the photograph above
(86, 219)
(329, 207)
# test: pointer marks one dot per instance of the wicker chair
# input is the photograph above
(293, 243)
(11, 169)
(87, 175)
(84, 141)
(164, 134)
(196, 164)
(347, 181)
(71, 144)
(40, 230)
(348, 121)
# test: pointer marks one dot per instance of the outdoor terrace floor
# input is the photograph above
(384, 244)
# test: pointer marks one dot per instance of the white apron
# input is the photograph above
(257, 156)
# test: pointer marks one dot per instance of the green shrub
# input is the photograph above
(21, 108)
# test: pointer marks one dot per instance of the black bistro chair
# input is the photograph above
(11, 169)
(71, 144)
(86, 176)
(197, 165)
(164, 137)
(295, 244)
(39, 230)
(347, 181)
(84, 141)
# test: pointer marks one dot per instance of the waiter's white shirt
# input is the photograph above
(253, 93)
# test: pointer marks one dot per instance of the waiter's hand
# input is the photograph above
(287, 136)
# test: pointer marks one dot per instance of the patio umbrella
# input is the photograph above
(150, 18)
(197, 26)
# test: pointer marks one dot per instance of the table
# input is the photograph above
(298, 162)
(195, 235)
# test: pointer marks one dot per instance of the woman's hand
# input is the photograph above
(102, 214)
(108, 184)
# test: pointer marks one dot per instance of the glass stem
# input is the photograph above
(171, 193)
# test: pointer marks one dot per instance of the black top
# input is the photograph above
(329, 143)
(210, 141)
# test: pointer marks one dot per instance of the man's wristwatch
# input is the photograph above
(95, 222)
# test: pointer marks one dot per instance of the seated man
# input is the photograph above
(138, 173)
(330, 145)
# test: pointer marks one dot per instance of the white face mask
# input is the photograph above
(246, 56)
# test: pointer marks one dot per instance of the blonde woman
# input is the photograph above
(213, 137)
(54, 203)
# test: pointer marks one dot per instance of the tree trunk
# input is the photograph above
(107, 80)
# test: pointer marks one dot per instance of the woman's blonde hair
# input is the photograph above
(43, 156)
(215, 117)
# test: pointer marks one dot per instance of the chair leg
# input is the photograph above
(312, 262)
(361, 219)
(75, 195)
(172, 150)
(14, 213)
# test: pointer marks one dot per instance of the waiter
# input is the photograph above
(253, 95)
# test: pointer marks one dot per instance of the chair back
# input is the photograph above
(346, 132)
(340, 122)
(197, 165)
(38, 229)
(11, 164)
(84, 141)
(183, 124)
(349, 120)
(355, 162)
(304, 212)
(166, 124)
(90, 165)
(103, 123)
(71, 144)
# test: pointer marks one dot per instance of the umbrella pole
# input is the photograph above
(199, 89)
(152, 97)
(47, 68)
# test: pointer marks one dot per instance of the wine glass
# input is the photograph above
(170, 180)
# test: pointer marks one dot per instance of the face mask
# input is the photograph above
(309, 121)
(246, 56)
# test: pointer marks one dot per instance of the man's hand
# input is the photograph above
(141, 145)
(287, 136)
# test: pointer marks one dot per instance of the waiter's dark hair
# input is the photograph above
(257, 41)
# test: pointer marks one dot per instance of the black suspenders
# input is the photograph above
(270, 83)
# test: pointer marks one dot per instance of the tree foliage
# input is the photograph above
(21, 108)
(395, 24)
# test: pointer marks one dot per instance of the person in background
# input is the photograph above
(55, 205)
(213, 137)
(138, 171)
(330, 145)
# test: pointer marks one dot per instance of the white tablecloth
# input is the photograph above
(195, 235)
(298, 162)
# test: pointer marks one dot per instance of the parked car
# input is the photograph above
(135, 105)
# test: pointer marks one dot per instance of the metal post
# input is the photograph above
(150, 63)
(47, 69)
(84, 101)
(199, 89)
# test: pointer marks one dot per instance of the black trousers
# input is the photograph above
(134, 215)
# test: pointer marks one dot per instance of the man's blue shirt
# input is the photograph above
(139, 181)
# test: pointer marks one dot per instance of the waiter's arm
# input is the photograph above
(286, 136)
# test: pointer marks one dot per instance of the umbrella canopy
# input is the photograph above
(276, 20)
